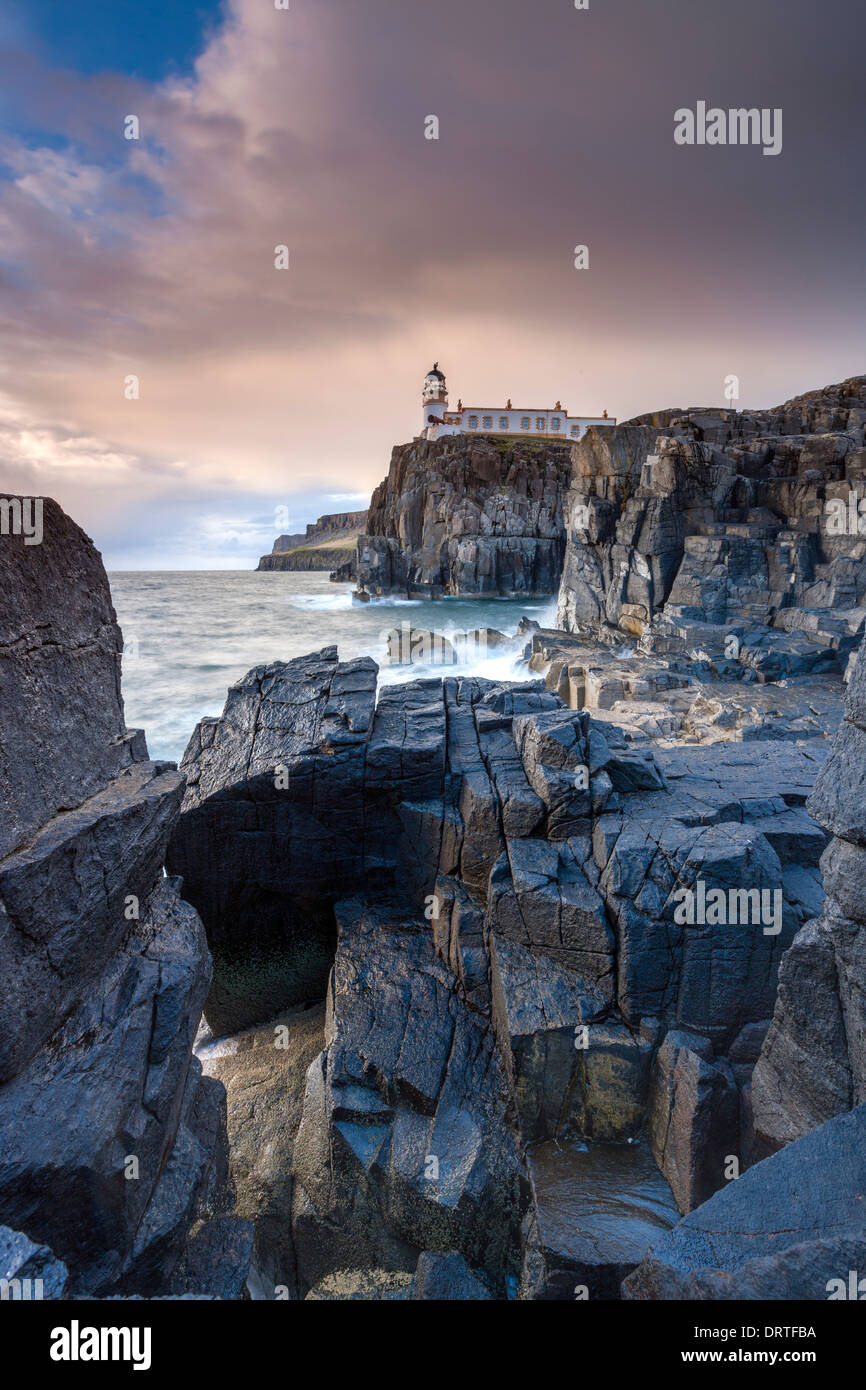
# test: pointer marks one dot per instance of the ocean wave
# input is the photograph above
(316, 603)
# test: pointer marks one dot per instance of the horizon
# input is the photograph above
(230, 567)
(148, 250)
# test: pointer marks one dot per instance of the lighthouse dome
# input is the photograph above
(434, 385)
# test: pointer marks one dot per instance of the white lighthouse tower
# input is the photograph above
(434, 401)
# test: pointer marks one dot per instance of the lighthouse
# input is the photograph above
(434, 399)
(527, 422)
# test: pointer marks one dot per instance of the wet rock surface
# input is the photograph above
(263, 1072)
(785, 1229)
(599, 1208)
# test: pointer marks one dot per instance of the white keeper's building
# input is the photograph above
(544, 423)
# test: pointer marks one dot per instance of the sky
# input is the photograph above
(267, 396)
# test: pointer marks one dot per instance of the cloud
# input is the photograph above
(305, 127)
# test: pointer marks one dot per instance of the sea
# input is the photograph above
(189, 635)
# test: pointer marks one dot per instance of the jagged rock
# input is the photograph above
(703, 514)
(540, 895)
(216, 1260)
(484, 638)
(522, 896)
(411, 646)
(803, 1076)
(65, 899)
(266, 842)
(63, 731)
(263, 1073)
(538, 1008)
(702, 541)
(713, 977)
(111, 1144)
(362, 1285)
(785, 1229)
(104, 1096)
(569, 1070)
(554, 748)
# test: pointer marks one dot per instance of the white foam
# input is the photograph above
(318, 602)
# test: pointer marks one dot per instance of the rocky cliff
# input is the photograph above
(313, 558)
(689, 528)
(327, 544)
(113, 1147)
(467, 516)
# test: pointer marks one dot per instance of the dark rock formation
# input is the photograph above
(689, 528)
(694, 1117)
(274, 829)
(497, 877)
(405, 1140)
(467, 516)
(63, 731)
(263, 1071)
(111, 1143)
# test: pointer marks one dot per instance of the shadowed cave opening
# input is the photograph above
(283, 959)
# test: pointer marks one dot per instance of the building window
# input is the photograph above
(524, 422)
(554, 424)
(574, 430)
(488, 422)
(473, 422)
(503, 422)
(539, 423)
